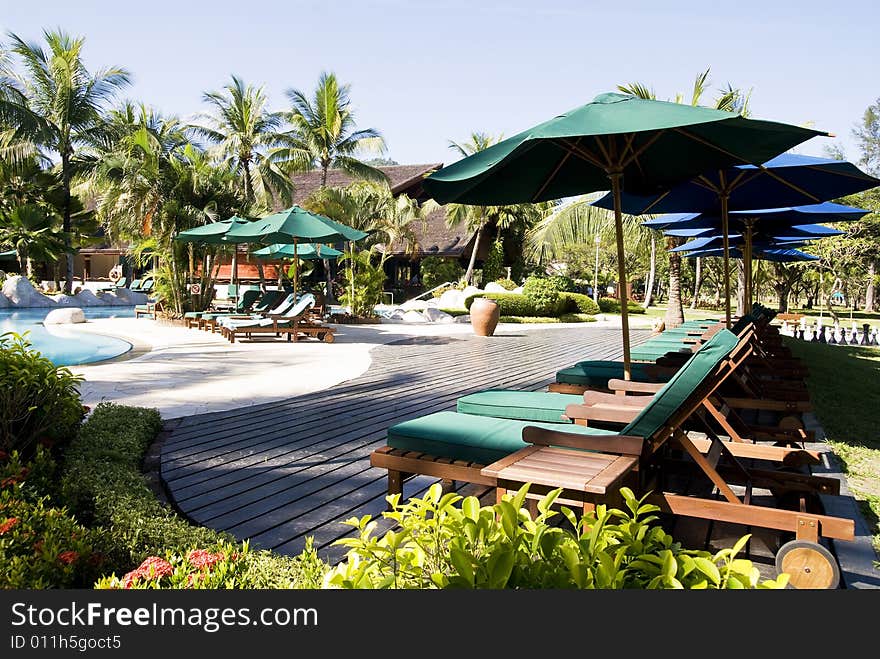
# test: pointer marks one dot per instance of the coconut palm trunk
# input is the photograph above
(652, 269)
(698, 275)
(869, 290)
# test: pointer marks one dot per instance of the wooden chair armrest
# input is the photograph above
(614, 400)
(623, 387)
(621, 444)
(608, 413)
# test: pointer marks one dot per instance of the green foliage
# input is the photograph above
(455, 312)
(446, 541)
(577, 318)
(364, 282)
(38, 401)
(512, 304)
(41, 546)
(436, 269)
(543, 293)
(493, 265)
(103, 485)
(508, 284)
(527, 319)
(612, 305)
(580, 303)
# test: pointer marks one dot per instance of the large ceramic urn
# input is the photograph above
(484, 316)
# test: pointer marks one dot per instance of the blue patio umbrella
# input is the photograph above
(709, 238)
(780, 254)
(784, 181)
(796, 231)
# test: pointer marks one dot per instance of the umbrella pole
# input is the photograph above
(295, 268)
(726, 240)
(621, 272)
(234, 276)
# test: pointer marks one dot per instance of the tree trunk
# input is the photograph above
(740, 288)
(649, 286)
(869, 291)
(469, 275)
(698, 274)
(65, 225)
(674, 311)
(782, 298)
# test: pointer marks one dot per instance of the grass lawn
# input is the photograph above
(844, 385)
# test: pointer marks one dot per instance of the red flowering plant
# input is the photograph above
(223, 566)
(41, 546)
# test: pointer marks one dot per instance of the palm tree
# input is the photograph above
(243, 133)
(731, 100)
(324, 136)
(28, 230)
(58, 102)
(323, 133)
(477, 218)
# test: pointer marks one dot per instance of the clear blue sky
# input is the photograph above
(423, 73)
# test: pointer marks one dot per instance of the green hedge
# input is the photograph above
(577, 318)
(612, 305)
(579, 303)
(517, 304)
(104, 487)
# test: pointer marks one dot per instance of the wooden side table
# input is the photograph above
(586, 477)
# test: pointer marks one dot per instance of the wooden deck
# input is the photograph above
(279, 472)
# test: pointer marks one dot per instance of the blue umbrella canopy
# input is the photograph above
(800, 232)
(786, 180)
(780, 254)
(825, 212)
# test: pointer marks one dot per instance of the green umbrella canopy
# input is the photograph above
(305, 251)
(654, 144)
(211, 234)
(617, 142)
(292, 225)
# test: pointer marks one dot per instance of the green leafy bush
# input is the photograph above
(527, 319)
(103, 486)
(38, 401)
(41, 546)
(226, 565)
(579, 303)
(434, 270)
(364, 282)
(612, 305)
(544, 294)
(508, 284)
(455, 312)
(512, 304)
(493, 264)
(577, 318)
(445, 541)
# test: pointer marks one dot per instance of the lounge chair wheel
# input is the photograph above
(809, 564)
(327, 338)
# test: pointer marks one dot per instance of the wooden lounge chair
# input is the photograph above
(292, 323)
(490, 451)
(252, 300)
(149, 309)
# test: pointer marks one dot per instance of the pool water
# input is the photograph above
(63, 344)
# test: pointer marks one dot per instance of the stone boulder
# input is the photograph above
(4, 301)
(65, 316)
(451, 299)
(465, 319)
(492, 287)
(21, 293)
(414, 305)
(128, 297)
(66, 300)
(518, 289)
(437, 316)
(88, 299)
(413, 316)
(470, 290)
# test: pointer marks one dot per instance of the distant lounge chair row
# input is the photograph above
(263, 313)
(671, 435)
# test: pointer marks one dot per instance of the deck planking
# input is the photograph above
(279, 472)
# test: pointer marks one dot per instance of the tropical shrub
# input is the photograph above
(579, 303)
(577, 318)
(508, 284)
(41, 546)
(612, 305)
(544, 294)
(434, 270)
(226, 565)
(103, 486)
(446, 541)
(38, 401)
(512, 304)
(364, 282)
(493, 265)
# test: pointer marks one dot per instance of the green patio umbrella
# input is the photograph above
(305, 251)
(214, 234)
(291, 226)
(634, 144)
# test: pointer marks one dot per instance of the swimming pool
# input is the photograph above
(63, 344)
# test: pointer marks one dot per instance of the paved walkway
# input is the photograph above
(182, 371)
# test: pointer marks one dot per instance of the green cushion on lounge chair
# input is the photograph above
(666, 401)
(468, 437)
(543, 406)
(597, 373)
